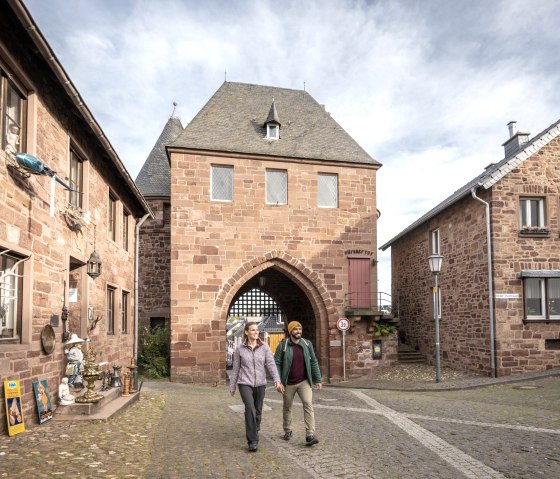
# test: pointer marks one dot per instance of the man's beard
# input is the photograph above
(296, 335)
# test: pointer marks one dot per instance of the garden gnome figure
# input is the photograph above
(64, 393)
(75, 364)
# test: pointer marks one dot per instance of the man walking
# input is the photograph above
(299, 370)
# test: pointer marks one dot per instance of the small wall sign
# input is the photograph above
(507, 296)
(377, 349)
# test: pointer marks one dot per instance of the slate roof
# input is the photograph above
(234, 119)
(489, 177)
(154, 178)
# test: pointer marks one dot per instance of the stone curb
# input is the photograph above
(453, 385)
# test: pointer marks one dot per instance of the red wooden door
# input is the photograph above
(359, 277)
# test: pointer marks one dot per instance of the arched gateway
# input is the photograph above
(297, 290)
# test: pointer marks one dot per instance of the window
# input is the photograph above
(542, 298)
(276, 187)
(76, 180)
(166, 214)
(11, 294)
(12, 119)
(272, 131)
(531, 213)
(124, 313)
(125, 224)
(222, 183)
(327, 190)
(434, 242)
(112, 218)
(110, 310)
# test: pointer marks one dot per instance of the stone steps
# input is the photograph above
(408, 355)
(112, 403)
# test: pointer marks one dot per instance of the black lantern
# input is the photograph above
(94, 265)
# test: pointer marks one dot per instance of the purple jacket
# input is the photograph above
(249, 366)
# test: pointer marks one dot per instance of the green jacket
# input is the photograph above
(283, 359)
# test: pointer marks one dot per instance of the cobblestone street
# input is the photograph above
(506, 430)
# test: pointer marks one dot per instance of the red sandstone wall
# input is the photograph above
(463, 282)
(216, 247)
(464, 327)
(521, 347)
(27, 227)
(154, 265)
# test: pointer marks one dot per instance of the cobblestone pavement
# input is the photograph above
(504, 430)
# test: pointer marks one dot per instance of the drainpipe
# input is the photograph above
(136, 257)
(490, 285)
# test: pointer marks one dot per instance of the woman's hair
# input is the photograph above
(246, 328)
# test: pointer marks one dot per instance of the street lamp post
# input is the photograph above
(435, 261)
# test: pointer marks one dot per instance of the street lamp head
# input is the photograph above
(435, 260)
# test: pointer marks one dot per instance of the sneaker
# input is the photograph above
(287, 435)
(253, 446)
(310, 440)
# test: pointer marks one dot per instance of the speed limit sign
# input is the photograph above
(343, 324)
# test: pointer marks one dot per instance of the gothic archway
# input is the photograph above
(297, 289)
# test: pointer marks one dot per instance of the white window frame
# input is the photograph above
(324, 176)
(213, 187)
(13, 269)
(17, 141)
(550, 307)
(276, 197)
(526, 210)
(434, 242)
(272, 131)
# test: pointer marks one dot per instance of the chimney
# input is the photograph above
(516, 139)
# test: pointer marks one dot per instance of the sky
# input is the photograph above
(425, 87)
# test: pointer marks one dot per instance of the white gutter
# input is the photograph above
(136, 257)
(490, 285)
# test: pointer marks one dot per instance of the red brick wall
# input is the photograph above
(217, 247)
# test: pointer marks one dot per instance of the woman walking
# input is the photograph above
(251, 360)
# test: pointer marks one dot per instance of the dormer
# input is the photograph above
(272, 124)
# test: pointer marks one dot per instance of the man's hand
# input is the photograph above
(232, 393)
(319, 386)
(279, 387)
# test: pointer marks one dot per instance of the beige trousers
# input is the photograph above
(305, 393)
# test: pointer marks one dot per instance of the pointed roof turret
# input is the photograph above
(272, 115)
(154, 178)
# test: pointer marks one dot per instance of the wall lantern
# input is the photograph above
(94, 265)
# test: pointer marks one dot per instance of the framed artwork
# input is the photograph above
(43, 399)
(14, 412)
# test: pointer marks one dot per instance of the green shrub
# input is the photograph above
(382, 329)
(154, 352)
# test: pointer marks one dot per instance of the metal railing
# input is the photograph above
(378, 301)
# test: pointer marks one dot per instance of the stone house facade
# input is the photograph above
(269, 193)
(47, 233)
(499, 316)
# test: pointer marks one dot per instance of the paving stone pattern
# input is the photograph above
(181, 431)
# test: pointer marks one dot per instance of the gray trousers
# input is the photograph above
(253, 398)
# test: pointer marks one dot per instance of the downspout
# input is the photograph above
(490, 284)
(136, 258)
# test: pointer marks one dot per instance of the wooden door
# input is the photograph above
(359, 277)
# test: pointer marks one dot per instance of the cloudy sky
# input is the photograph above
(425, 87)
